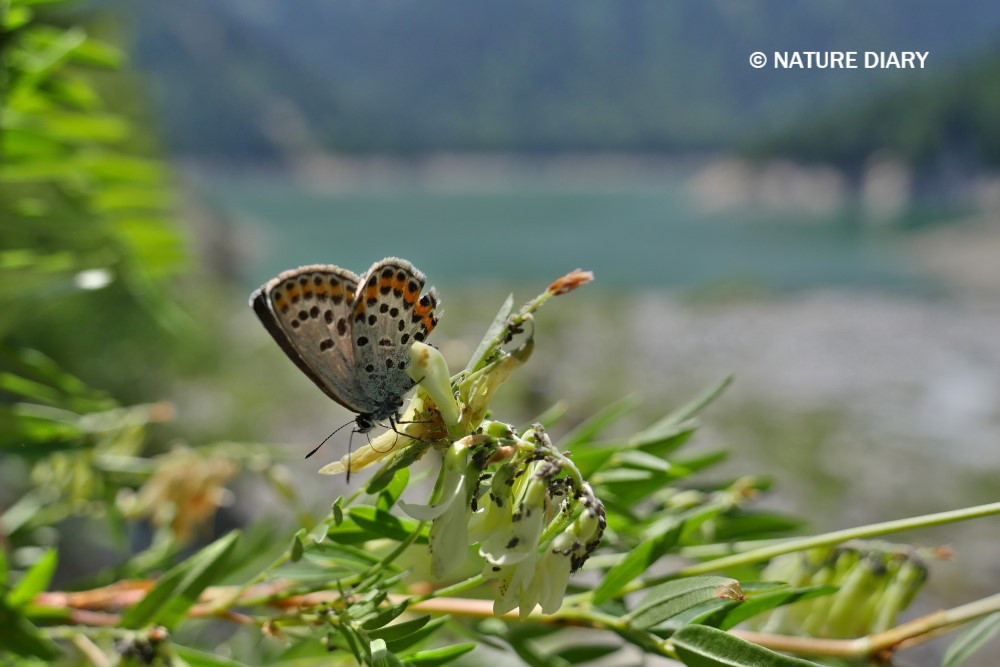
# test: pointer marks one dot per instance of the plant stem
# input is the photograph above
(823, 540)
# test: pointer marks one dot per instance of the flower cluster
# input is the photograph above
(535, 521)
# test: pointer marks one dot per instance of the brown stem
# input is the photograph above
(91, 608)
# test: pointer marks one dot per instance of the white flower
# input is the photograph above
(552, 573)
(495, 506)
(448, 537)
(519, 539)
(516, 585)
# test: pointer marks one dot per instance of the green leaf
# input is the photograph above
(438, 656)
(591, 459)
(15, 18)
(355, 643)
(663, 442)
(692, 409)
(971, 640)
(35, 580)
(588, 430)
(297, 548)
(15, 384)
(388, 496)
(636, 458)
(673, 597)
(195, 658)
(399, 630)
(499, 322)
(178, 589)
(758, 604)
(702, 646)
(580, 652)
(98, 54)
(636, 562)
(130, 198)
(383, 524)
(349, 532)
(385, 616)
(397, 645)
(400, 459)
(22, 638)
(740, 525)
(711, 613)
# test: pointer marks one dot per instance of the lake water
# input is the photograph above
(634, 238)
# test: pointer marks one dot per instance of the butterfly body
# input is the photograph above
(351, 335)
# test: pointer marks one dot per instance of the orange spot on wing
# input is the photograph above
(371, 292)
(293, 291)
(428, 322)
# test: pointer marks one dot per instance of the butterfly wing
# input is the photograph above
(388, 316)
(308, 313)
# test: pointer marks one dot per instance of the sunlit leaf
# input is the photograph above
(35, 580)
(100, 54)
(131, 198)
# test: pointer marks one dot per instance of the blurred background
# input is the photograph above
(829, 237)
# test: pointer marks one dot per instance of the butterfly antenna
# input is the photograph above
(327, 438)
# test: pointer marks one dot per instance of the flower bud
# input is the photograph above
(429, 368)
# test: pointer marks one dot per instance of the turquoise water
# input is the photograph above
(636, 239)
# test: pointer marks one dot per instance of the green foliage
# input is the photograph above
(85, 208)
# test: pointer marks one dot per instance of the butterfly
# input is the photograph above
(351, 336)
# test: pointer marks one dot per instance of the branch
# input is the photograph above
(88, 608)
